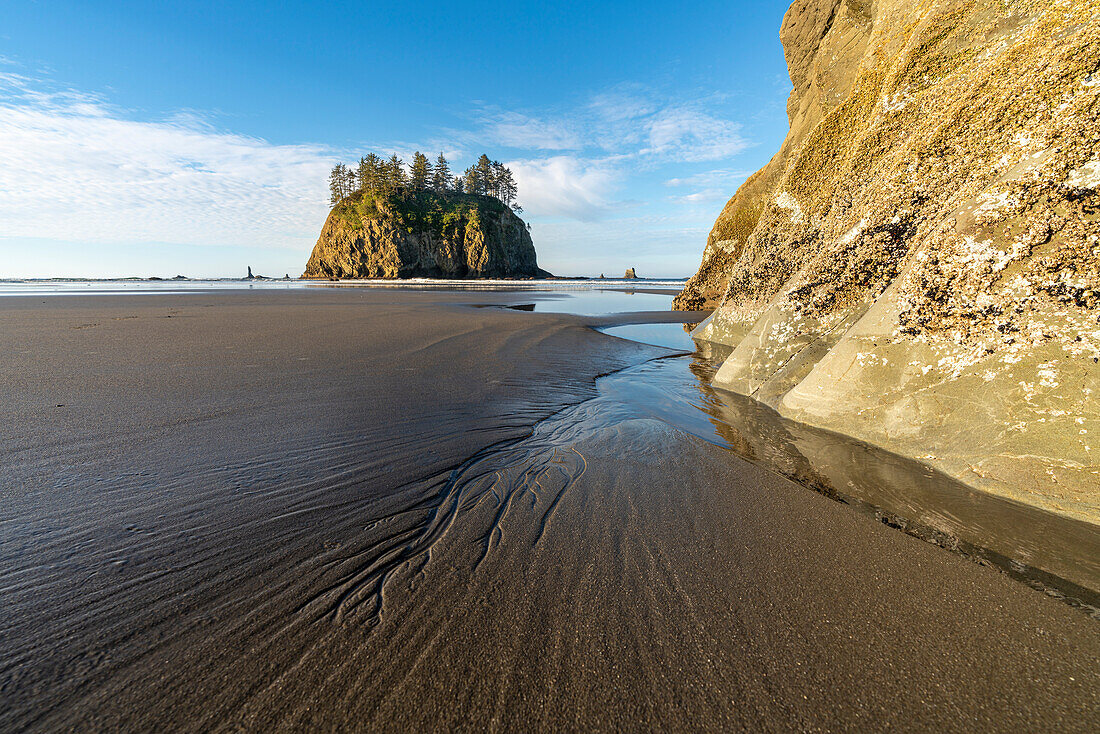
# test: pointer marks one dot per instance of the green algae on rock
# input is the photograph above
(426, 234)
(918, 266)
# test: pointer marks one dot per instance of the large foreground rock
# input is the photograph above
(919, 264)
(423, 235)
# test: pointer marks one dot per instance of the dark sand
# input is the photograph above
(325, 509)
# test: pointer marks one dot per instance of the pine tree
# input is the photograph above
(473, 181)
(396, 170)
(348, 183)
(370, 178)
(334, 180)
(485, 174)
(385, 183)
(421, 173)
(497, 184)
(441, 176)
(459, 184)
(506, 185)
(341, 183)
(364, 175)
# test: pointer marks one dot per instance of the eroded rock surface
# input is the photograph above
(919, 264)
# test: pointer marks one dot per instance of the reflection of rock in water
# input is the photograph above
(1059, 555)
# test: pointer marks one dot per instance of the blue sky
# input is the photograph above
(195, 138)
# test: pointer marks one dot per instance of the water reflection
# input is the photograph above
(1058, 555)
(672, 336)
(595, 302)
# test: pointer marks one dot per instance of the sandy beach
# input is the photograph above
(367, 509)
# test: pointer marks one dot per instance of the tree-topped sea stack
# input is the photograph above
(389, 222)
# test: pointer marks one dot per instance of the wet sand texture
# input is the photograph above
(329, 510)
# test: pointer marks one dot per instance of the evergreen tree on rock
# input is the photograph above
(334, 185)
(341, 183)
(473, 181)
(370, 173)
(441, 174)
(421, 172)
(396, 170)
(485, 174)
(377, 177)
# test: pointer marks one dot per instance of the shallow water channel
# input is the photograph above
(1057, 555)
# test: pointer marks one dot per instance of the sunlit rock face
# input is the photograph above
(425, 235)
(919, 264)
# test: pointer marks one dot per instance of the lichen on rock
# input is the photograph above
(919, 263)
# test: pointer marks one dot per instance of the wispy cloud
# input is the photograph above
(688, 133)
(626, 120)
(565, 186)
(718, 177)
(76, 168)
(703, 196)
(516, 130)
(710, 186)
(609, 138)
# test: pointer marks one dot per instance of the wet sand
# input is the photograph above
(370, 509)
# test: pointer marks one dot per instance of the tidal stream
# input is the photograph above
(524, 480)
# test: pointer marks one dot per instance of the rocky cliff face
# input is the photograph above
(425, 235)
(919, 264)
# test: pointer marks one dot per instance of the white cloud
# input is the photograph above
(626, 121)
(720, 177)
(689, 134)
(617, 117)
(703, 196)
(516, 130)
(623, 102)
(73, 168)
(615, 135)
(566, 186)
(711, 186)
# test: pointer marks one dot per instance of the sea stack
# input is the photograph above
(918, 265)
(426, 234)
(630, 274)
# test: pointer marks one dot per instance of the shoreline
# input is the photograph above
(236, 465)
(557, 281)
